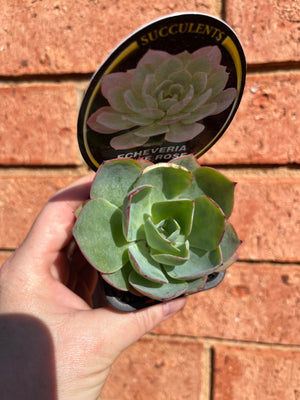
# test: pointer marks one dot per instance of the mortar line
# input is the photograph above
(227, 342)
(206, 368)
(273, 263)
(67, 170)
(8, 250)
(79, 78)
(286, 66)
(212, 385)
(252, 68)
(223, 10)
(47, 78)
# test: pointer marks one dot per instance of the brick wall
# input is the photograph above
(240, 341)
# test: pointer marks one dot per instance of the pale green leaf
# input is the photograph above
(200, 263)
(179, 210)
(156, 239)
(167, 180)
(157, 291)
(143, 263)
(114, 179)
(196, 285)
(230, 242)
(216, 186)
(172, 259)
(98, 232)
(136, 209)
(119, 279)
(208, 224)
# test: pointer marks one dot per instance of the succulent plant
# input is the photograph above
(158, 230)
(165, 95)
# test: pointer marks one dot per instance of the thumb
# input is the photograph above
(51, 231)
(120, 330)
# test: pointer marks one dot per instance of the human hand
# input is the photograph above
(53, 345)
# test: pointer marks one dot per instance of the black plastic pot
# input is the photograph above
(125, 301)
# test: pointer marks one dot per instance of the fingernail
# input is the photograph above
(172, 307)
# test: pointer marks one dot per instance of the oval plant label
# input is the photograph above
(169, 89)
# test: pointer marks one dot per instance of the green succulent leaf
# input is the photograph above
(79, 209)
(196, 284)
(227, 263)
(158, 229)
(168, 180)
(192, 192)
(136, 208)
(157, 240)
(144, 163)
(119, 279)
(179, 210)
(216, 186)
(114, 179)
(230, 242)
(172, 259)
(189, 162)
(208, 224)
(144, 264)
(158, 291)
(200, 263)
(170, 229)
(105, 248)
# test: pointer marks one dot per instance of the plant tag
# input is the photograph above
(169, 89)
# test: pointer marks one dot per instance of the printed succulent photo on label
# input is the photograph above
(170, 89)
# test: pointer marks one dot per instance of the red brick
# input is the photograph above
(156, 369)
(255, 374)
(265, 129)
(39, 125)
(258, 303)
(267, 30)
(267, 218)
(22, 198)
(57, 37)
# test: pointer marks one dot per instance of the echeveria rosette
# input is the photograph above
(158, 229)
(164, 95)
